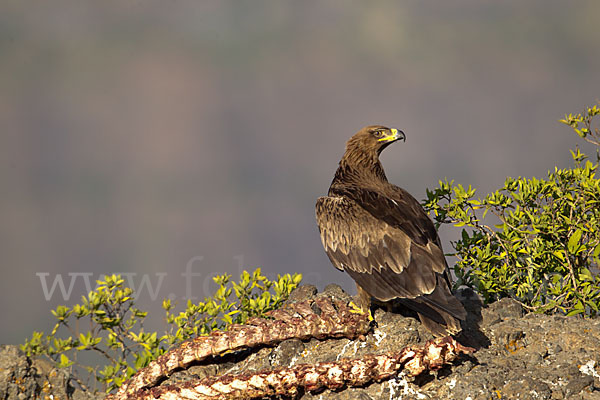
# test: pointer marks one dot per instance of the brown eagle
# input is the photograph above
(380, 235)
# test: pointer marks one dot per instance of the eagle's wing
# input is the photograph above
(390, 248)
(399, 209)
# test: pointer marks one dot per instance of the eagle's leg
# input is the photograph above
(364, 298)
(366, 301)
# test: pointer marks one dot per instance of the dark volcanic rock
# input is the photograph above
(302, 293)
(334, 291)
(24, 378)
(17, 378)
(284, 354)
(519, 356)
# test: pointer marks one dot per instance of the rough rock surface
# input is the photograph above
(24, 378)
(519, 356)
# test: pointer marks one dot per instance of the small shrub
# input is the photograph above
(252, 299)
(116, 327)
(536, 240)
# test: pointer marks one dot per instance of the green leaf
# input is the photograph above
(578, 308)
(573, 244)
(64, 361)
(585, 275)
(596, 252)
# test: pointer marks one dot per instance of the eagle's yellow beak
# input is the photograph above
(395, 134)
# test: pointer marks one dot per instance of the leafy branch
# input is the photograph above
(116, 328)
(542, 247)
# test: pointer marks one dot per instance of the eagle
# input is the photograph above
(381, 236)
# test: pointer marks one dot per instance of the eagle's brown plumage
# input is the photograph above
(380, 235)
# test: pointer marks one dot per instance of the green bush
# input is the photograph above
(116, 327)
(535, 240)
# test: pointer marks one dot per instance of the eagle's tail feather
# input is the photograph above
(451, 326)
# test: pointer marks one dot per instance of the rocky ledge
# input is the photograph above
(518, 356)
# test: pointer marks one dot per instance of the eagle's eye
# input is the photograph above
(379, 133)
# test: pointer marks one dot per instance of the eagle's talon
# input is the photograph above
(359, 310)
(355, 309)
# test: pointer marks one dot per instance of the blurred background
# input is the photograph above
(166, 139)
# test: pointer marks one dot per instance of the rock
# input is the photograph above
(17, 377)
(286, 354)
(51, 379)
(347, 394)
(526, 389)
(302, 293)
(335, 292)
(501, 310)
(24, 378)
(578, 384)
(519, 356)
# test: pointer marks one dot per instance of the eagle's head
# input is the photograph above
(371, 140)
